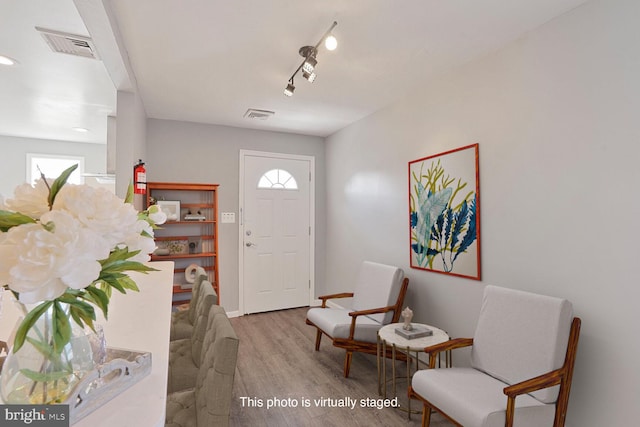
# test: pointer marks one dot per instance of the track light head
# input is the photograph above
(309, 76)
(288, 91)
(309, 64)
(309, 54)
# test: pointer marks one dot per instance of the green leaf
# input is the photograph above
(128, 283)
(61, 328)
(99, 298)
(44, 376)
(43, 347)
(11, 219)
(112, 282)
(104, 286)
(59, 183)
(28, 322)
(83, 314)
(128, 266)
(129, 197)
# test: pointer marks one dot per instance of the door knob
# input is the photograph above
(249, 244)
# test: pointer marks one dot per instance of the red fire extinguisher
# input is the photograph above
(139, 178)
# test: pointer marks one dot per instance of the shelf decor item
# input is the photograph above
(444, 213)
(63, 250)
(170, 208)
(174, 247)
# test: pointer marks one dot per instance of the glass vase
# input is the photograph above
(35, 374)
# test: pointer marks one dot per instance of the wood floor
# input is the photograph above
(278, 366)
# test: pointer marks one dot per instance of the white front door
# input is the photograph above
(275, 231)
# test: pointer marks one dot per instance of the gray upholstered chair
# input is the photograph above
(182, 321)
(377, 300)
(185, 355)
(522, 358)
(209, 403)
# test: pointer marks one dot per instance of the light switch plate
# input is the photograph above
(228, 217)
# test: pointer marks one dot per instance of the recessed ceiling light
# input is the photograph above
(5, 60)
(79, 129)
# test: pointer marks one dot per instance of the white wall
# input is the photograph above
(13, 161)
(556, 117)
(131, 141)
(190, 152)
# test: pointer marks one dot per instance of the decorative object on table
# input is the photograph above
(63, 249)
(444, 213)
(120, 370)
(407, 315)
(416, 331)
(171, 208)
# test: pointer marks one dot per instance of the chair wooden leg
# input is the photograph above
(426, 416)
(347, 363)
(318, 338)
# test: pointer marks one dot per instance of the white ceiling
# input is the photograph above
(209, 61)
(47, 94)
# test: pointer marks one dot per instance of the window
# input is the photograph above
(278, 179)
(52, 166)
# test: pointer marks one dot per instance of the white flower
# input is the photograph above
(99, 210)
(40, 261)
(137, 241)
(30, 200)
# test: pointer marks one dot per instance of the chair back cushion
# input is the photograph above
(206, 300)
(201, 276)
(214, 384)
(521, 335)
(377, 286)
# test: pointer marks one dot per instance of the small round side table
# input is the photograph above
(387, 336)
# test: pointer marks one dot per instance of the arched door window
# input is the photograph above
(278, 179)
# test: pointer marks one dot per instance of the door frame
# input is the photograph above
(312, 216)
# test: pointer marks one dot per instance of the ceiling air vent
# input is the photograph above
(71, 44)
(252, 113)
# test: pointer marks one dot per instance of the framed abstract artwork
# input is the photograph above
(444, 213)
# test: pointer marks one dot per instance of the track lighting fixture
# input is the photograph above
(310, 53)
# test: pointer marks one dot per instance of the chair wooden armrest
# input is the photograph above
(324, 298)
(433, 350)
(354, 315)
(372, 311)
(546, 380)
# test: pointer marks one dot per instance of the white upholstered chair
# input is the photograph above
(377, 300)
(522, 358)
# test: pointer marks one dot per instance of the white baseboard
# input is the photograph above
(233, 314)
